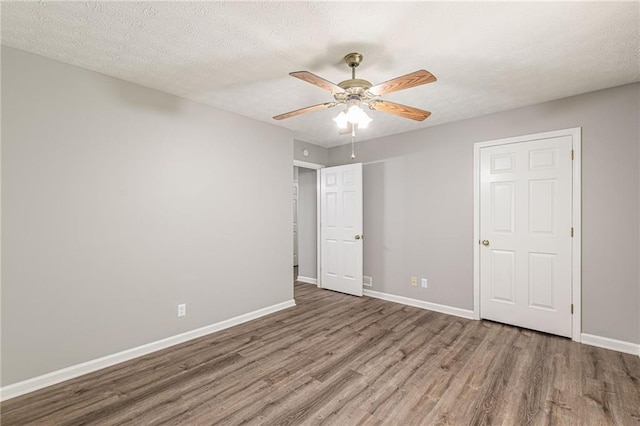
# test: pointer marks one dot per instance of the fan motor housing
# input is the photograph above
(354, 87)
(355, 83)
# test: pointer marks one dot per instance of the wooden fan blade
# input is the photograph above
(405, 82)
(303, 110)
(318, 81)
(401, 110)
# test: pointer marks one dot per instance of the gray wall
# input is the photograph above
(307, 223)
(317, 154)
(119, 202)
(418, 200)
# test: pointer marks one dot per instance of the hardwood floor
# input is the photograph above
(342, 360)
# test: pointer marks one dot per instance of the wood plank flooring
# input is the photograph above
(342, 360)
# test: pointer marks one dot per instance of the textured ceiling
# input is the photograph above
(236, 56)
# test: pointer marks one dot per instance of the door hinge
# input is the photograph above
(572, 154)
(572, 309)
(572, 232)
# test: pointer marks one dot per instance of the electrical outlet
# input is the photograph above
(414, 281)
(367, 281)
(424, 283)
(182, 309)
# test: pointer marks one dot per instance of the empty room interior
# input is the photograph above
(339, 213)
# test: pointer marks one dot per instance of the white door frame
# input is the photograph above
(315, 166)
(576, 208)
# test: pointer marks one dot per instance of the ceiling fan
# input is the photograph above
(355, 93)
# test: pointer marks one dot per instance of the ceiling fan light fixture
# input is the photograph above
(341, 120)
(355, 115)
(364, 123)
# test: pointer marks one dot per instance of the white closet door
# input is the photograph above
(525, 232)
(341, 228)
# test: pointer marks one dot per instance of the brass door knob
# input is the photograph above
(485, 242)
(357, 237)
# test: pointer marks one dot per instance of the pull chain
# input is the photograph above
(353, 141)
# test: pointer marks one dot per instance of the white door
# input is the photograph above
(525, 233)
(295, 224)
(341, 228)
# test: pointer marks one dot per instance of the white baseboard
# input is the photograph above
(307, 280)
(613, 344)
(49, 379)
(449, 310)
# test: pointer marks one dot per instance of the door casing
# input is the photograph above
(576, 254)
(316, 167)
(295, 222)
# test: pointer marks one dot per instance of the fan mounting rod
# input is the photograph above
(353, 60)
(353, 87)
